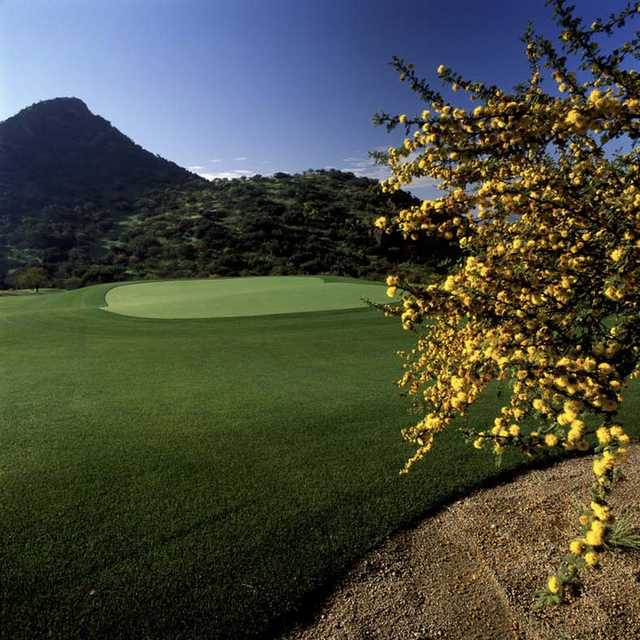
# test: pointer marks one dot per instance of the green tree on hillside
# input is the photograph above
(32, 278)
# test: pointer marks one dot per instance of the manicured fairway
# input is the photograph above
(240, 297)
(199, 478)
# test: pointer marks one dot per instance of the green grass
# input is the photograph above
(199, 478)
(231, 297)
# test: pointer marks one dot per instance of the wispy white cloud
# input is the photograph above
(195, 167)
(232, 174)
(215, 160)
(425, 188)
(366, 167)
(241, 159)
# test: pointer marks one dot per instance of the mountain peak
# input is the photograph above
(58, 147)
(55, 106)
(68, 101)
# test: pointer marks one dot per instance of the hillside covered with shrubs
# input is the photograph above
(84, 202)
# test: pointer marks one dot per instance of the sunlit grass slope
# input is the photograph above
(240, 297)
(198, 478)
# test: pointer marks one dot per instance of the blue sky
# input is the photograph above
(237, 87)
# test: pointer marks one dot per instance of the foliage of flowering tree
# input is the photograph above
(541, 191)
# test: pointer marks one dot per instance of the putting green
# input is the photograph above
(256, 296)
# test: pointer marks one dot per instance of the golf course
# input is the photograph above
(201, 459)
(234, 297)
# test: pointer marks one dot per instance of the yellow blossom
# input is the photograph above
(595, 535)
(381, 222)
(616, 254)
(554, 584)
(591, 558)
(600, 511)
(576, 546)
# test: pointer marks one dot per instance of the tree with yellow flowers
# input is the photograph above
(541, 193)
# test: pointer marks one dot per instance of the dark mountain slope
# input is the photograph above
(58, 150)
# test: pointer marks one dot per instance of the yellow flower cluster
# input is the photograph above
(546, 297)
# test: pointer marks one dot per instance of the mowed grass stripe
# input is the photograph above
(253, 296)
(199, 478)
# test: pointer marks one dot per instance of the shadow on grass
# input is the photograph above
(315, 601)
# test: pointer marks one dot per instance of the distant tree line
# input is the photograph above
(315, 222)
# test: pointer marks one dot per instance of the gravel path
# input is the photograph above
(470, 571)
